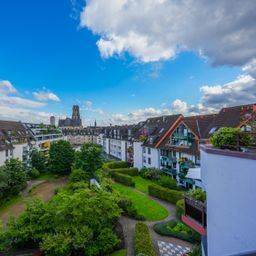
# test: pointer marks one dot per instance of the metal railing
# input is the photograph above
(195, 210)
(240, 141)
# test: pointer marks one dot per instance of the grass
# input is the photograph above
(122, 252)
(47, 176)
(9, 202)
(150, 209)
(142, 184)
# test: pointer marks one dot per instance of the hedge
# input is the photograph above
(143, 243)
(180, 207)
(185, 233)
(123, 178)
(169, 195)
(116, 165)
(127, 171)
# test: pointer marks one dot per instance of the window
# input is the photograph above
(149, 151)
(144, 159)
(11, 152)
(144, 150)
(149, 160)
(6, 153)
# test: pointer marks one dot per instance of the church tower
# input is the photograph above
(76, 120)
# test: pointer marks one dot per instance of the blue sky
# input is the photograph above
(46, 49)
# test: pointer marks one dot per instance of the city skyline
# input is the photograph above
(116, 72)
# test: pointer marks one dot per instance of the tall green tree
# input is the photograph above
(81, 221)
(61, 157)
(89, 159)
(38, 160)
(12, 178)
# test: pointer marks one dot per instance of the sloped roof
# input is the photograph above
(232, 117)
(158, 127)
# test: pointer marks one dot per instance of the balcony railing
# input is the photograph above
(195, 215)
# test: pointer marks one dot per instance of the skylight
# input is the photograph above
(212, 130)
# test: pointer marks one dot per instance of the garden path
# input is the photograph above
(129, 227)
(44, 189)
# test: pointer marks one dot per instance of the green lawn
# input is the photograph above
(122, 252)
(9, 202)
(150, 209)
(142, 184)
(47, 176)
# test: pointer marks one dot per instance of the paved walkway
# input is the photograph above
(129, 227)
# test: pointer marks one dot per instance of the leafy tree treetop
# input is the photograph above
(61, 157)
(89, 159)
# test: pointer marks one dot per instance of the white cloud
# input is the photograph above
(250, 68)
(153, 30)
(46, 96)
(179, 106)
(88, 106)
(6, 87)
(24, 115)
(6, 98)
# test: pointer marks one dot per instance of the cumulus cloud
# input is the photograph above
(250, 68)
(6, 87)
(23, 114)
(46, 96)
(240, 91)
(6, 96)
(179, 106)
(153, 30)
(139, 115)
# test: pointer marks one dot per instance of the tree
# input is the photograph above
(38, 160)
(12, 178)
(89, 159)
(73, 222)
(61, 157)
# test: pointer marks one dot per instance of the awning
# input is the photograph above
(194, 173)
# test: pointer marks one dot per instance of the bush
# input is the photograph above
(196, 251)
(177, 229)
(197, 194)
(169, 195)
(34, 173)
(123, 178)
(78, 175)
(116, 165)
(180, 207)
(143, 242)
(128, 209)
(226, 138)
(168, 182)
(150, 173)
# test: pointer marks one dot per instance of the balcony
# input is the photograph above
(195, 215)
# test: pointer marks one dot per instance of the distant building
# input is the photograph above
(74, 122)
(52, 120)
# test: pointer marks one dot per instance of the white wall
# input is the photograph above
(137, 155)
(231, 203)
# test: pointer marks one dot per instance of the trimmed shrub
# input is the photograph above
(143, 243)
(128, 209)
(180, 207)
(169, 195)
(177, 229)
(34, 173)
(116, 165)
(123, 178)
(168, 182)
(127, 171)
(150, 173)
